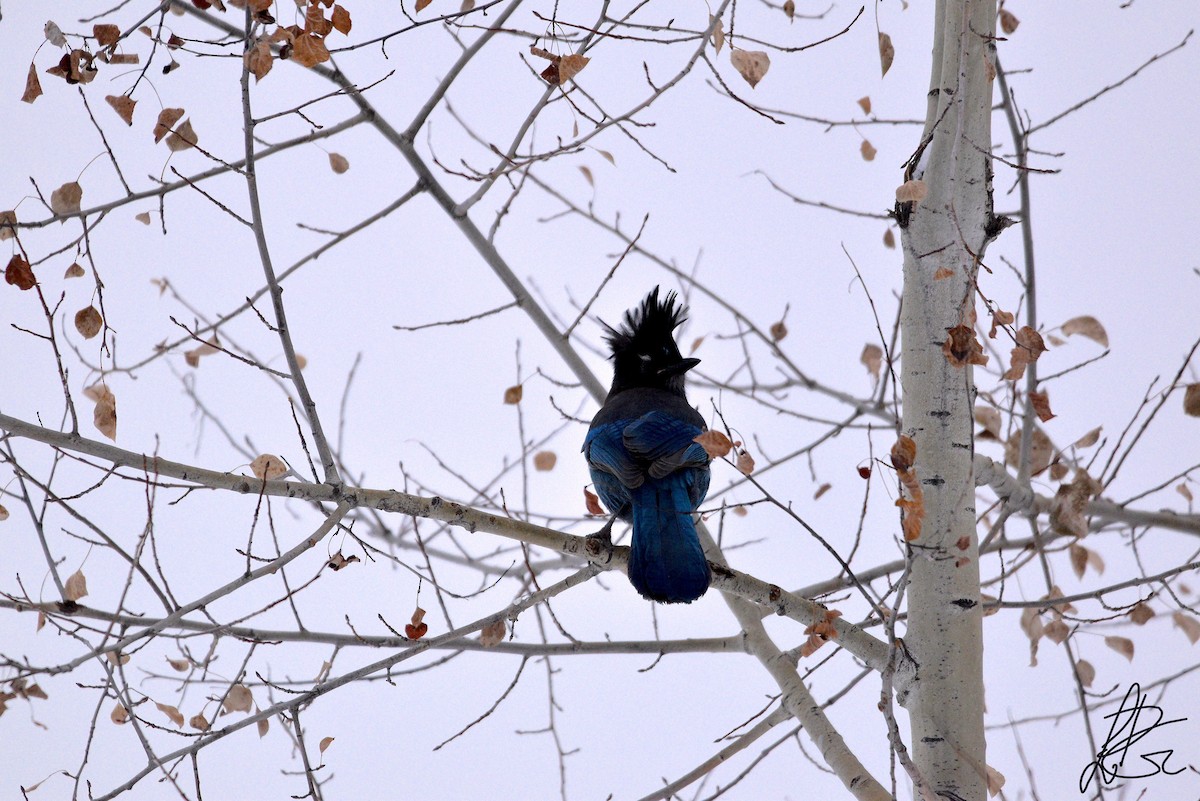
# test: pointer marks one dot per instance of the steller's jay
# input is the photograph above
(642, 457)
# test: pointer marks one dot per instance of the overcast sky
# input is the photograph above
(1114, 232)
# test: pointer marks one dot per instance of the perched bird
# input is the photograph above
(642, 458)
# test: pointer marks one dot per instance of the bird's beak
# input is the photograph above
(679, 368)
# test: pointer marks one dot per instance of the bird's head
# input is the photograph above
(644, 352)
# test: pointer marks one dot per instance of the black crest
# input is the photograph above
(649, 325)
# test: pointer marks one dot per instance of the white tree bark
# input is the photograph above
(944, 237)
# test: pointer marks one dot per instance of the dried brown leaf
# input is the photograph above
(962, 347)
(8, 224)
(999, 318)
(143, 217)
(259, 60)
(570, 66)
(199, 722)
(263, 726)
(1008, 21)
(512, 395)
(74, 271)
(88, 322)
(493, 633)
(718, 34)
(745, 462)
(865, 104)
(872, 359)
(76, 586)
(1041, 406)
(1089, 439)
(889, 239)
(309, 51)
(106, 34)
(1041, 451)
(327, 741)
(715, 444)
(1189, 624)
(1087, 326)
(913, 191)
(544, 460)
(821, 490)
(904, 453)
(887, 53)
(182, 137)
(171, 712)
(119, 715)
(1141, 613)
(750, 64)
(19, 273)
(268, 466)
(54, 34)
(778, 330)
(989, 418)
(1085, 671)
(66, 199)
(1122, 645)
(1056, 631)
(1182, 488)
(592, 502)
(238, 699)
(341, 20)
(338, 163)
(166, 121)
(33, 87)
(867, 150)
(1079, 559)
(587, 174)
(1191, 400)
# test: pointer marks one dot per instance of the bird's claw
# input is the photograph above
(601, 542)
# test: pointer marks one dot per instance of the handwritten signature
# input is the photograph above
(1123, 733)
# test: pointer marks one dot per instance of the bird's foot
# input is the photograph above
(601, 542)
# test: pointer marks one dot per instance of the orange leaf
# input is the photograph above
(715, 444)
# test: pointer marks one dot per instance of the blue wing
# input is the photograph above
(623, 454)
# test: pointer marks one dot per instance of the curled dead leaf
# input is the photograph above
(1087, 326)
(238, 699)
(493, 633)
(76, 586)
(66, 199)
(912, 191)
(19, 273)
(33, 86)
(887, 53)
(1122, 645)
(123, 105)
(165, 122)
(592, 502)
(750, 64)
(512, 395)
(867, 150)
(338, 163)
(1191, 400)
(715, 444)
(1189, 625)
(88, 322)
(1085, 671)
(267, 466)
(171, 712)
(872, 359)
(745, 462)
(962, 347)
(544, 460)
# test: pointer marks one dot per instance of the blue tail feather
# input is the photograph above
(666, 562)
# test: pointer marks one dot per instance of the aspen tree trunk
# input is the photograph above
(944, 236)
